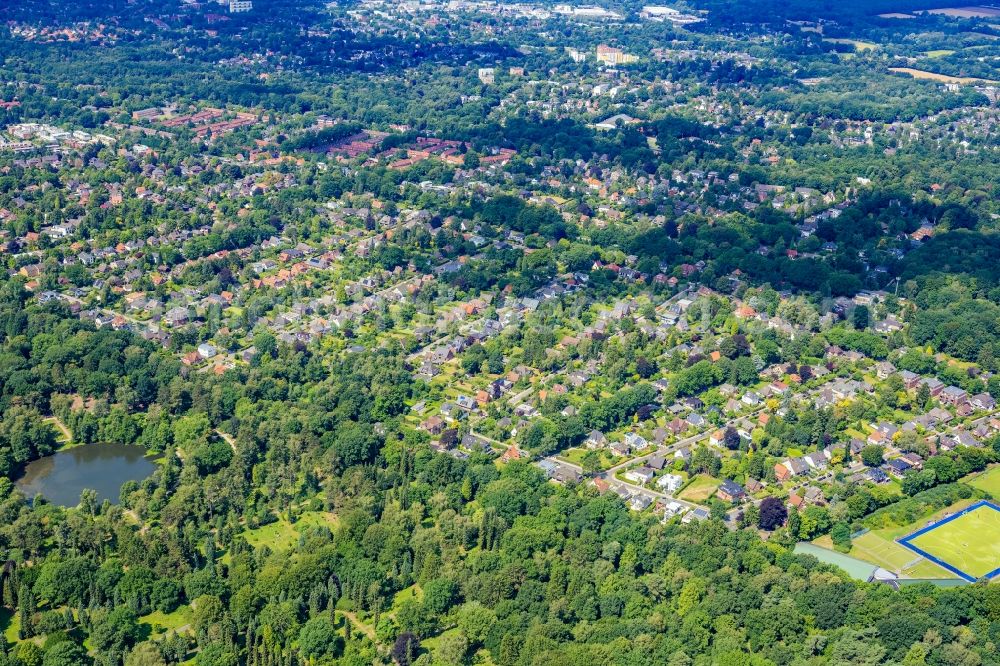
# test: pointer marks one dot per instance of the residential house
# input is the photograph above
(792, 467)
(640, 475)
(934, 385)
(595, 440)
(474, 442)
(672, 508)
(877, 438)
(677, 426)
(730, 491)
(669, 483)
(897, 467)
(434, 425)
(813, 495)
(983, 401)
(512, 453)
(884, 369)
(816, 460)
(695, 419)
(640, 502)
(620, 448)
(635, 441)
(876, 475)
(911, 380)
(953, 395)
(698, 513)
(565, 474)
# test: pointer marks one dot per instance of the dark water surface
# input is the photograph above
(101, 467)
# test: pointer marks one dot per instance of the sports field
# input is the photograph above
(966, 543)
(988, 480)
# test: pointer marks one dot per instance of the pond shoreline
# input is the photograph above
(63, 475)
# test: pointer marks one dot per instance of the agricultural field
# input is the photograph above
(856, 43)
(934, 76)
(967, 543)
(973, 11)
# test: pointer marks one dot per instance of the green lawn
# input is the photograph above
(575, 456)
(282, 535)
(988, 480)
(875, 548)
(162, 623)
(700, 489)
(10, 623)
(412, 592)
(880, 547)
(970, 542)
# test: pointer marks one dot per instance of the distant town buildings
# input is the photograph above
(612, 56)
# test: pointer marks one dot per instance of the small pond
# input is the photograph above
(62, 476)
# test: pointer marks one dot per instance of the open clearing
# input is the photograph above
(939, 53)
(971, 11)
(934, 76)
(575, 456)
(967, 543)
(282, 535)
(161, 624)
(700, 489)
(859, 45)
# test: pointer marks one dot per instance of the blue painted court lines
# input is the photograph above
(905, 541)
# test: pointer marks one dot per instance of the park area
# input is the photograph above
(966, 543)
(282, 535)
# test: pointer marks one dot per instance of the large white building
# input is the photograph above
(487, 75)
(239, 6)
